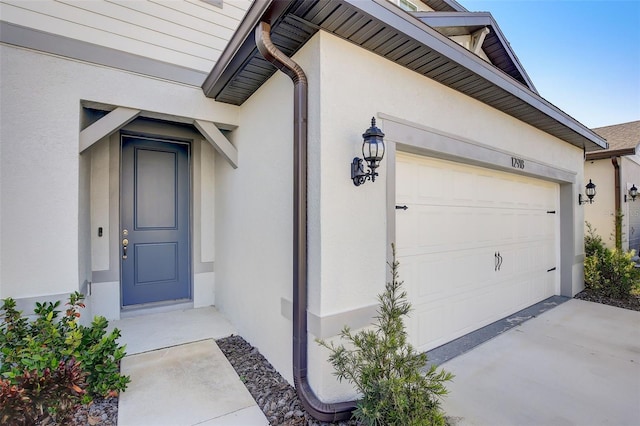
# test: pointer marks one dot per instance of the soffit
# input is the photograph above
(383, 28)
(444, 5)
(495, 45)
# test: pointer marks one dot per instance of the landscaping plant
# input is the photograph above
(386, 369)
(608, 272)
(51, 364)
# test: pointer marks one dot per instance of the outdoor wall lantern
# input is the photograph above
(372, 151)
(633, 193)
(590, 192)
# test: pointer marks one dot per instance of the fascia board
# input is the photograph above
(474, 19)
(600, 155)
(421, 32)
(228, 63)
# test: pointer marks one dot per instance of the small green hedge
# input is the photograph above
(50, 365)
(608, 272)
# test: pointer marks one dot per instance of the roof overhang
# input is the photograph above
(604, 154)
(495, 44)
(385, 29)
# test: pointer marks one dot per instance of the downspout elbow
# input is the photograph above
(316, 408)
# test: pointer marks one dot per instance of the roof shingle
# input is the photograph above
(621, 136)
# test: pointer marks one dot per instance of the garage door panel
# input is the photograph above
(431, 278)
(458, 221)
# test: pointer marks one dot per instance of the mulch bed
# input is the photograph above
(632, 302)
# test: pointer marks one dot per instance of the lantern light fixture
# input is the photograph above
(372, 153)
(590, 192)
(633, 193)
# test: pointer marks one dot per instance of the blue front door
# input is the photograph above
(154, 217)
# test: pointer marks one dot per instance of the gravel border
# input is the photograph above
(274, 395)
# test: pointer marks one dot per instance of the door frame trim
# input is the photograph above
(166, 139)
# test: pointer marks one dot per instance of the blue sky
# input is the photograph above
(582, 55)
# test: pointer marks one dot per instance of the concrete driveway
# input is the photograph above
(577, 364)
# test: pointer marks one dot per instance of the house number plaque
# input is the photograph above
(517, 163)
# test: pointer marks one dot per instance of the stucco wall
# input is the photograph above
(601, 214)
(253, 221)
(630, 167)
(348, 224)
(42, 210)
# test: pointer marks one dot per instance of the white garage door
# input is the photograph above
(474, 245)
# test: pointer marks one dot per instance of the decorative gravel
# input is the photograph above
(273, 394)
(102, 412)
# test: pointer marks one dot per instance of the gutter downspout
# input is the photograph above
(316, 408)
(618, 206)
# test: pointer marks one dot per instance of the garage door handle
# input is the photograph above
(498, 259)
(401, 207)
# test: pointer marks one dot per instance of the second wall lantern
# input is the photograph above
(590, 192)
(372, 153)
(633, 193)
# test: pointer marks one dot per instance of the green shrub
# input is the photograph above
(386, 369)
(593, 244)
(611, 273)
(51, 364)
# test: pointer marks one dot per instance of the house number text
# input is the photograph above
(518, 163)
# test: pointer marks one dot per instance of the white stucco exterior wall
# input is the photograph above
(40, 168)
(348, 226)
(601, 213)
(253, 222)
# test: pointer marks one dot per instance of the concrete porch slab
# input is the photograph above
(190, 384)
(162, 330)
(577, 364)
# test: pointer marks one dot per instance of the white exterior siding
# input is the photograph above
(188, 33)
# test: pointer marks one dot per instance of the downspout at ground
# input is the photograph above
(316, 408)
(618, 206)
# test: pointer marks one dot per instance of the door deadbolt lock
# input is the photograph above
(125, 243)
(125, 232)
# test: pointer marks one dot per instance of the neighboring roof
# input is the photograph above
(385, 29)
(623, 140)
(495, 45)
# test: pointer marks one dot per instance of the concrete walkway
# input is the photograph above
(577, 364)
(179, 376)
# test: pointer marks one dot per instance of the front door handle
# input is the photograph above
(125, 244)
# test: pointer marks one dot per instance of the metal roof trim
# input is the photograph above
(421, 32)
(237, 43)
(452, 4)
(241, 47)
(464, 19)
(604, 154)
